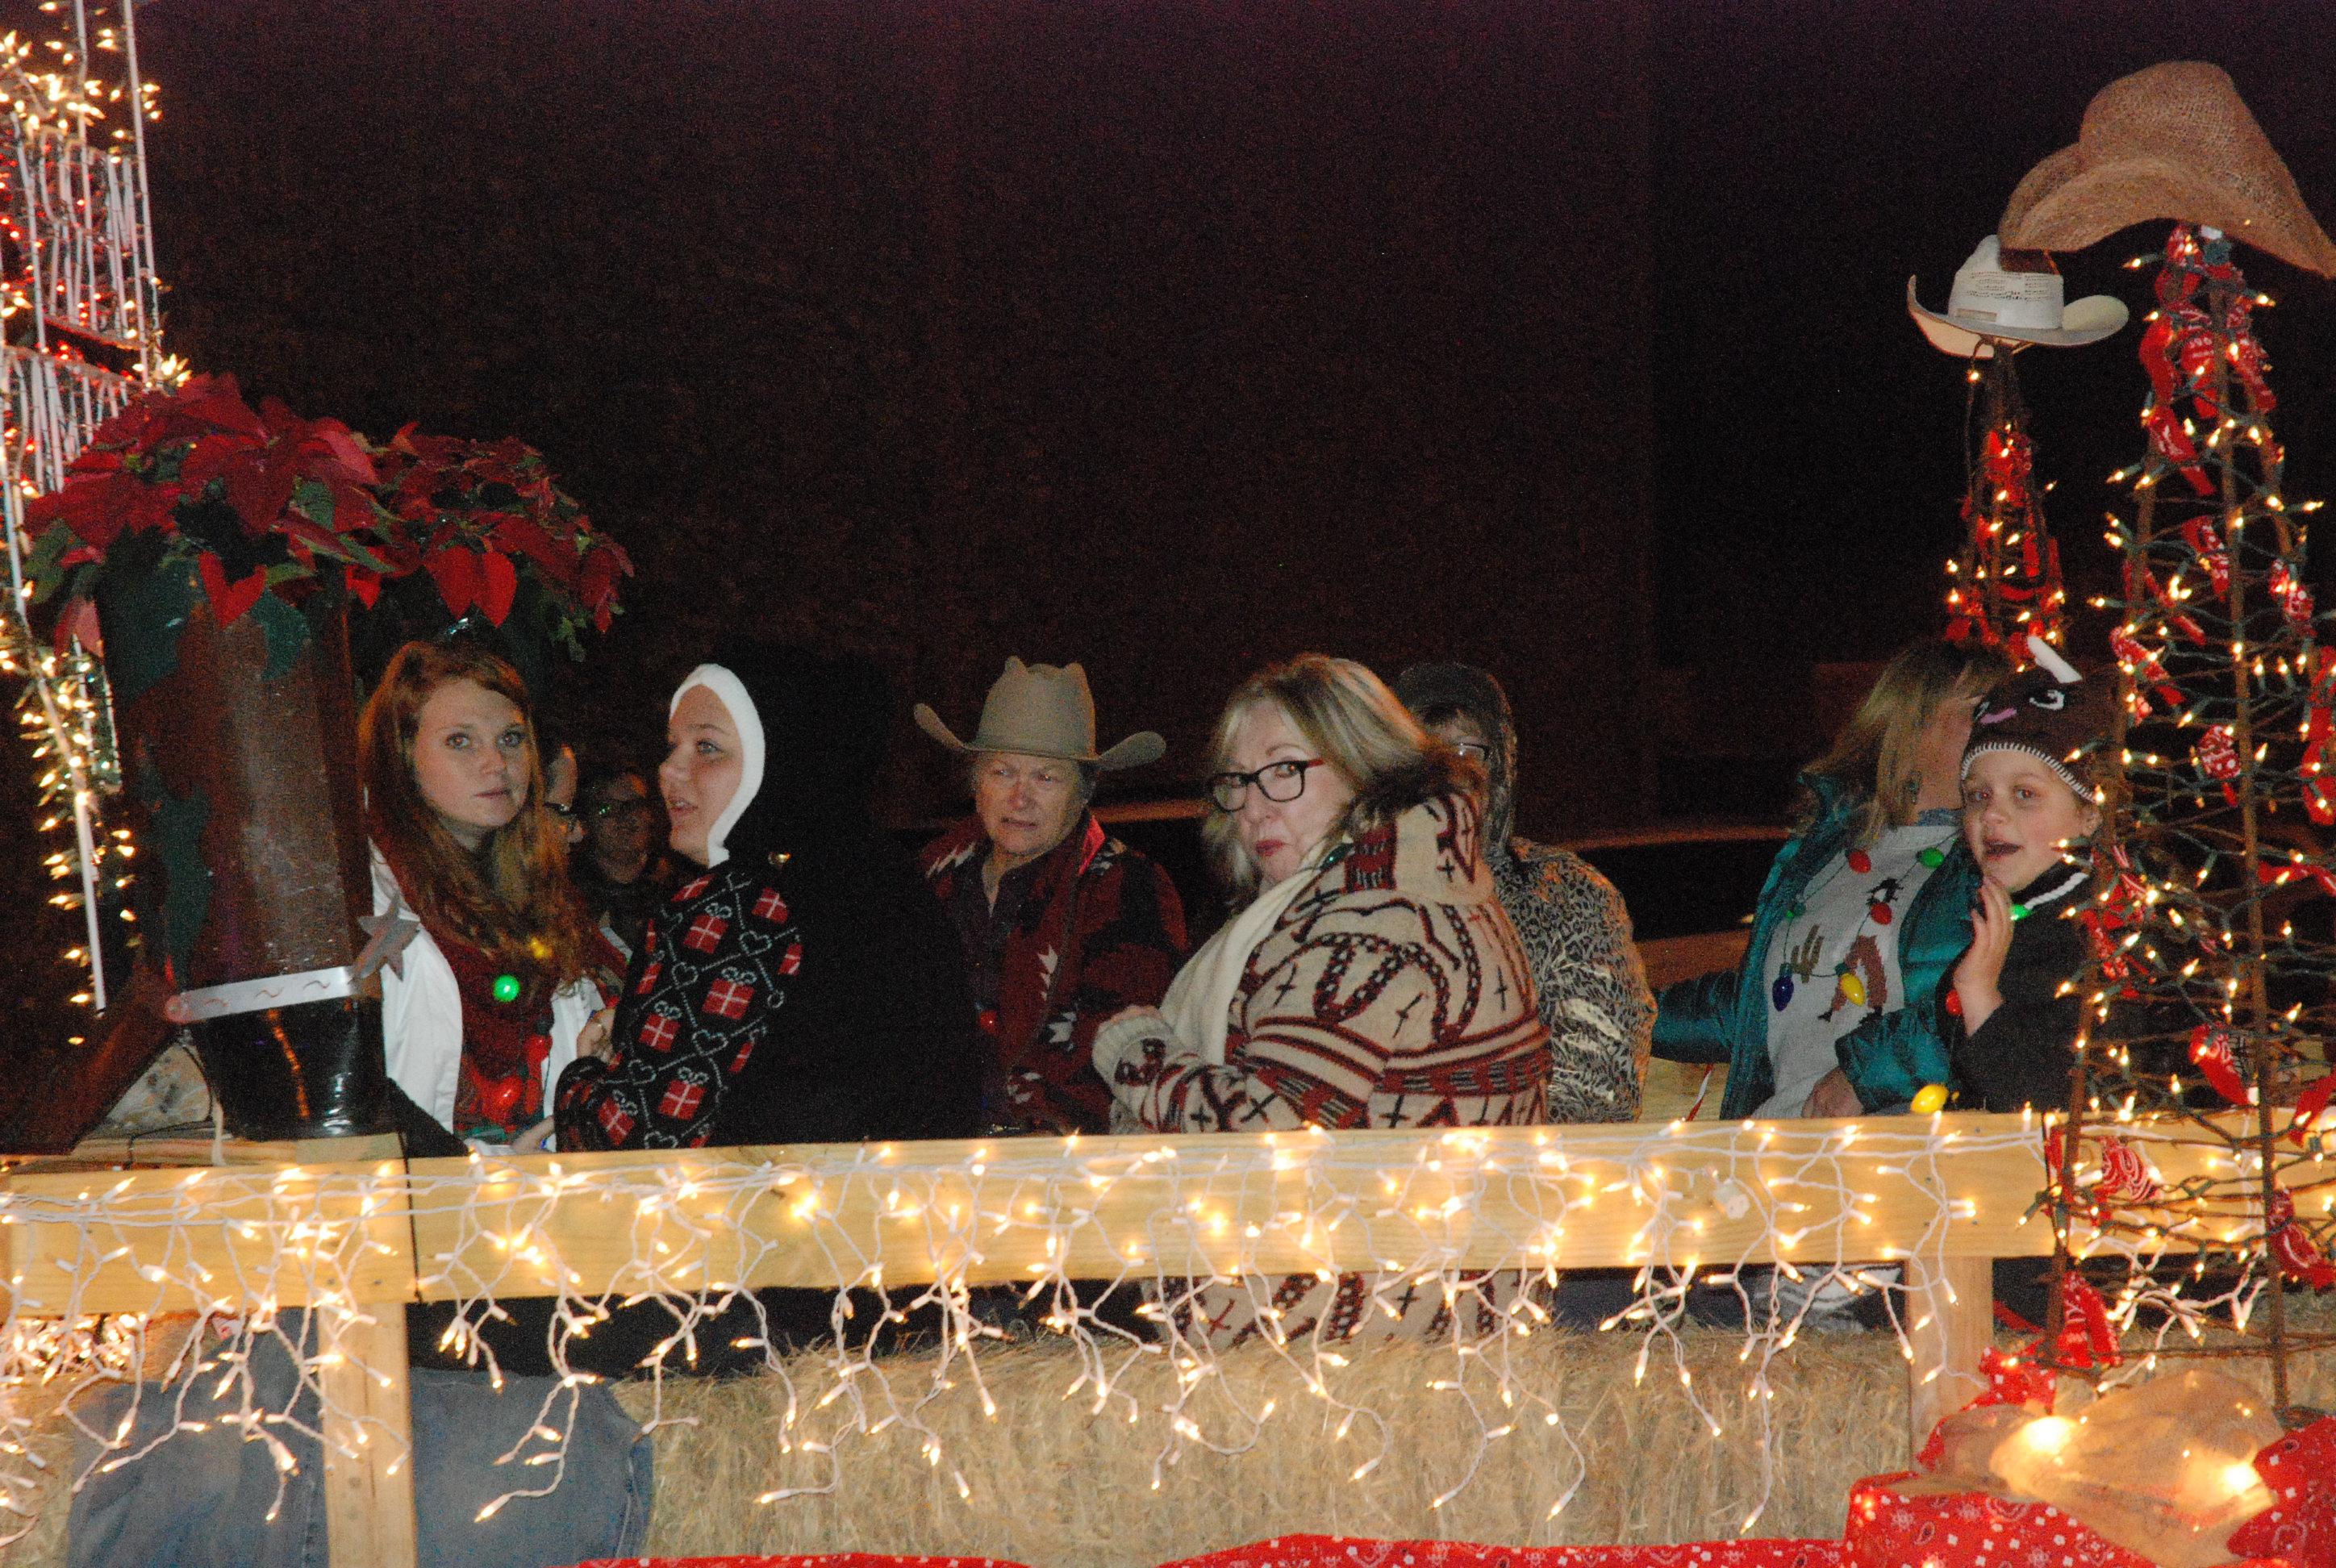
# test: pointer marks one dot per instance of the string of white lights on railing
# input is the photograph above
(1492, 1220)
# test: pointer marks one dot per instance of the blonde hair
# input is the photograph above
(1876, 758)
(1346, 715)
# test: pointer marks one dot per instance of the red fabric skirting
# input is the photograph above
(825, 1559)
(1332, 1552)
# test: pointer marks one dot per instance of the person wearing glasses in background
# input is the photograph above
(622, 872)
(1586, 972)
(1369, 978)
(1062, 924)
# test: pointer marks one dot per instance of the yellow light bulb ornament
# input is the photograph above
(1930, 1099)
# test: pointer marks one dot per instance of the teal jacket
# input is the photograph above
(1723, 1016)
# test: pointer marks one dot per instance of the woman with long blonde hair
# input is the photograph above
(486, 1001)
(1371, 978)
(1834, 1011)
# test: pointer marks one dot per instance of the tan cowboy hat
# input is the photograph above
(1989, 305)
(2173, 141)
(1043, 710)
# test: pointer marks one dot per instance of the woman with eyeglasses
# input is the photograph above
(1834, 1011)
(1369, 978)
(1587, 974)
(621, 871)
(494, 971)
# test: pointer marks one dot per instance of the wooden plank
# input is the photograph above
(1951, 1306)
(176, 1240)
(368, 1427)
(1703, 1193)
(1570, 1197)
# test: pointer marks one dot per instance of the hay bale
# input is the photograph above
(1049, 1487)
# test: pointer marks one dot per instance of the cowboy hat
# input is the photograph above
(1043, 710)
(2173, 141)
(1989, 305)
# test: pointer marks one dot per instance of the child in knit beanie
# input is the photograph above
(2031, 800)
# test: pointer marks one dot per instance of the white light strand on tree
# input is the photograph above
(77, 212)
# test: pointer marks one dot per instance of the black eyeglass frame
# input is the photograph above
(1242, 782)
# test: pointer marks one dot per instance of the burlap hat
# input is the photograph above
(2174, 142)
(1991, 303)
(1043, 710)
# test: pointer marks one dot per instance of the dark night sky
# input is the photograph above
(1181, 336)
(1562, 335)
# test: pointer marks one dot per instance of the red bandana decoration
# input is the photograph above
(2006, 582)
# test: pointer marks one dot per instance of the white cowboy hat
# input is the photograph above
(1989, 305)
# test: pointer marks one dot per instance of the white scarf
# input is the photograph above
(1199, 1001)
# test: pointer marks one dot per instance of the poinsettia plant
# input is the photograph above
(195, 463)
(479, 517)
(190, 491)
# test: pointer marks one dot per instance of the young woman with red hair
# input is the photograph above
(484, 1006)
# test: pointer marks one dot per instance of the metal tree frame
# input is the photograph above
(82, 305)
(2208, 867)
(2005, 582)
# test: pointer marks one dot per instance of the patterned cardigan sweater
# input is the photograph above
(1392, 993)
(1100, 929)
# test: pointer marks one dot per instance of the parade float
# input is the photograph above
(187, 569)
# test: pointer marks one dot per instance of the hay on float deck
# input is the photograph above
(1053, 1487)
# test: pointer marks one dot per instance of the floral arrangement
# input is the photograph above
(472, 513)
(190, 490)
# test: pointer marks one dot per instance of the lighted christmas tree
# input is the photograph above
(2005, 583)
(2203, 950)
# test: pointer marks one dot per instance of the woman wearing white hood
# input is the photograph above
(805, 988)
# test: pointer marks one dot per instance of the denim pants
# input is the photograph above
(200, 1499)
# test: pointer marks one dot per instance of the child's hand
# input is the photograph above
(1977, 974)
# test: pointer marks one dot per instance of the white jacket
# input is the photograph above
(422, 1013)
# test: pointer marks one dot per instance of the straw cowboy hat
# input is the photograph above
(1043, 710)
(1989, 305)
(2173, 141)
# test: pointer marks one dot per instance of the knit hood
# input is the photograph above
(814, 738)
(1426, 688)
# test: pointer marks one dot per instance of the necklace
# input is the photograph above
(1860, 978)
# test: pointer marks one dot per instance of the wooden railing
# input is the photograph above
(1942, 1196)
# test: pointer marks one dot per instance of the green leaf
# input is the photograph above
(42, 568)
(142, 614)
(315, 502)
(177, 833)
(287, 635)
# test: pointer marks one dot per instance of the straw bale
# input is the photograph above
(1052, 1488)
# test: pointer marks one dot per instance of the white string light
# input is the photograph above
(1489, 1223)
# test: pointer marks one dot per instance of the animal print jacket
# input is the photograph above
(1575, 933)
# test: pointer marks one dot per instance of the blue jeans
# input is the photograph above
(201, 1500)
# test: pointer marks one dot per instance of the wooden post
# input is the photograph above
(369, 1423)
(369, 1491)
(1953, 1308)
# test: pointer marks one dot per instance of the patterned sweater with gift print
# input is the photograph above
(1393, 992)
(715, 965)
